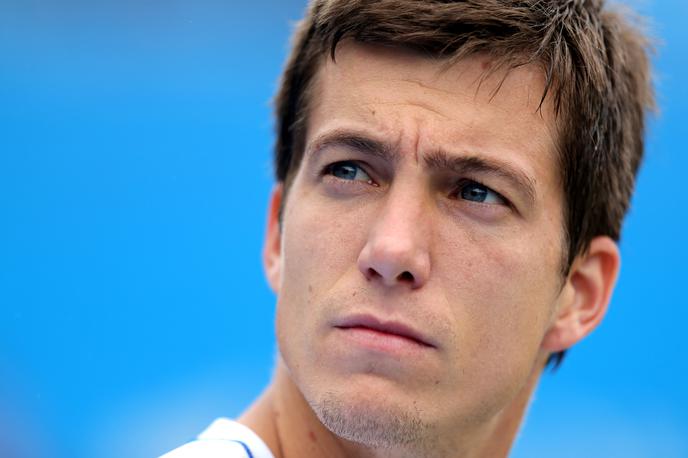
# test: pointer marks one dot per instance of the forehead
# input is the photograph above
(473, 76)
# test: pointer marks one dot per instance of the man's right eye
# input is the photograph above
(348, 170)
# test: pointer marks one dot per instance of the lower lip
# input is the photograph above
(382, 341)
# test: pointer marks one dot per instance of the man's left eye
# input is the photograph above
(348, 171)
(476, 192)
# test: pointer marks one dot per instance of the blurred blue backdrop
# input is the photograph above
(135, 146)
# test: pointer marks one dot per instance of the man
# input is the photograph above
(451, 181)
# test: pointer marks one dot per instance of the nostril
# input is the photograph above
(372, 273)
(406, 276)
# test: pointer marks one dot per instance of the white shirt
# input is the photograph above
(224, 438)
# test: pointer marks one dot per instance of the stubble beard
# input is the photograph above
(378, 427)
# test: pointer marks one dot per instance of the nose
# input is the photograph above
(396, 250)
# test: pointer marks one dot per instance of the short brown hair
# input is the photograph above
(595, 61)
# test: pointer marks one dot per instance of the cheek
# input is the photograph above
(319, 247)
(501, 290)
(316, 251)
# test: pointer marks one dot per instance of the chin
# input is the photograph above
(371, 418)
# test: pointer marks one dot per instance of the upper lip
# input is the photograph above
(387, 326)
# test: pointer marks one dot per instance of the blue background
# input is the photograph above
(135, 148)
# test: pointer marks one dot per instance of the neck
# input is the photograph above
(288, 426)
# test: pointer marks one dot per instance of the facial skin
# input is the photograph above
(428, 200)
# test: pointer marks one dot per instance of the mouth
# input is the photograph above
(371, 324)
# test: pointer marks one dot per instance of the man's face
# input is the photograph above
(418, 267)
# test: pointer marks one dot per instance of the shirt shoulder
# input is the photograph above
(210, 448)
(224, 438)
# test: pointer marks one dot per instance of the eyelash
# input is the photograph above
(465, 182)
(461, 184)
(328, 171)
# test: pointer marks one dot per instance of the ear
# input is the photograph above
(586, 294)
(272, 246)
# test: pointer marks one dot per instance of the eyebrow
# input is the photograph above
(357, 142)
(438, 160)
(442, 161)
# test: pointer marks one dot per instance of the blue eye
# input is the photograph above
(348, 171)
(476, 192)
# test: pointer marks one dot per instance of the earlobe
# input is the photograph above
(586, 295)
(272, 246)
